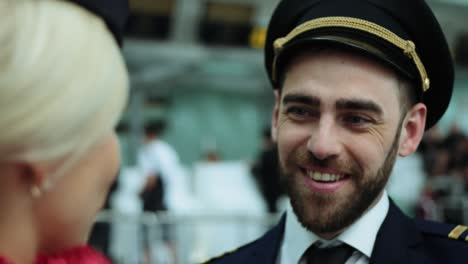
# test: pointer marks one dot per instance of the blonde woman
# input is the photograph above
(63, 86)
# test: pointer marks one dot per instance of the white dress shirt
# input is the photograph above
(361, 236)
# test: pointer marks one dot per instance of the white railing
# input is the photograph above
(165, 238)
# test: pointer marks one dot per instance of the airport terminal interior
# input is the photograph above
(196, 69)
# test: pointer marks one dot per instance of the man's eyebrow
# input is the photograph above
(302, 99)
(359, 104)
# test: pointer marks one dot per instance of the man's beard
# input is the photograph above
(338, 212)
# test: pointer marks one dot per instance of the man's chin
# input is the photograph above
(323, 215)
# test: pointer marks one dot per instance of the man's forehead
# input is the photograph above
(323, 55)
(332, 89)
(339, 72)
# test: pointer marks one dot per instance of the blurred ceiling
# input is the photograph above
(159, 66)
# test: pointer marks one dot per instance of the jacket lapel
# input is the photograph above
(267, 247)
(397, 241)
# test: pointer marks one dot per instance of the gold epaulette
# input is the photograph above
(437, 229)
(459, 233)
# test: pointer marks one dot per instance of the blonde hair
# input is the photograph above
(63, 81)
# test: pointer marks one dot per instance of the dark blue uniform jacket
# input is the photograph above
(399, 240)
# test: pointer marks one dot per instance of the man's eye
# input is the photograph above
(298, 112)
(356, 120)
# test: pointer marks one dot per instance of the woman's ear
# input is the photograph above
(24, 176)
(34, 176)
(38, 173)
(412, 129)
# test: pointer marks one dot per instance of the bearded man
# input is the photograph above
(356, 84)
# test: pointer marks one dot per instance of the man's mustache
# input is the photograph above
(306, 158)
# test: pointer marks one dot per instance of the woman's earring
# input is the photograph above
(36, 191)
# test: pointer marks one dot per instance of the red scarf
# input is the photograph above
(78, 255)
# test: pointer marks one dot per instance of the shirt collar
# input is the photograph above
(361, 235)
(296, 238)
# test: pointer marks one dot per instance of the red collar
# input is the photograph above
(77, 255)
(4, 261)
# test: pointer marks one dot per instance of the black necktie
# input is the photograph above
(331, 255)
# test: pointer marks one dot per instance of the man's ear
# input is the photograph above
(274, 118)
(412, 129)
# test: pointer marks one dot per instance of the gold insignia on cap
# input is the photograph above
(408, 47)
(457, 231)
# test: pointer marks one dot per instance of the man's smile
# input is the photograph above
(324, 177)
(319, 181)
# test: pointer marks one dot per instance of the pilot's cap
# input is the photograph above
(403, 35)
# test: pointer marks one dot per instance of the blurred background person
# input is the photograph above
(165, 187)
(153, 190)
(445, 191)
(63, 86)
(266, 172)
(153, 193)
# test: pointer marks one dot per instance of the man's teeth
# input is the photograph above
(324, 177)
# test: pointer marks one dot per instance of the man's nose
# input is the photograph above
(324, 142)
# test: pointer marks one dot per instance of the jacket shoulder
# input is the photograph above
(233, 256)
(262, 250)
(444, 243)
(437, 230)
